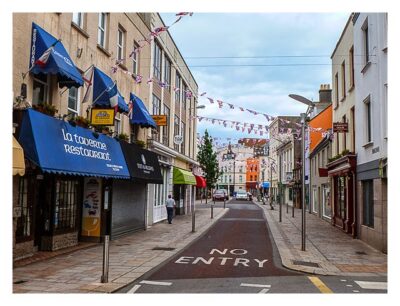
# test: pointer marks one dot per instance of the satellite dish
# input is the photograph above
(178, 139)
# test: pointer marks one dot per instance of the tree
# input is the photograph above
(208, 160)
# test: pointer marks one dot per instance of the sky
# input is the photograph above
(289, 53)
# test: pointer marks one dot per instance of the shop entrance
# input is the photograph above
(179, 197)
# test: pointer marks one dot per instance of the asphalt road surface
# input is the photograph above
(237, 255)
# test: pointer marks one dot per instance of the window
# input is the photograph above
(344, 120)
(102, 28)
(77, 18)
(343, 80)
(366, 41)
(24, 207)
(183, 134)
(251, 178)
(117, 124)
(341, 196)
(336, 90)
(255, 177)
(120, 44)
(165, 133)
(351, 66)
(135, 59)
(384, 117)
(230, 178)
(66, 204)
(184, 97)
(327, 210)
(177, 86)
(368, 203)
(157, 61)
(73, 101)
(41, 89)
(367, 105)
(167, 72)
(176, 131)
(156, 111)
(240, 179)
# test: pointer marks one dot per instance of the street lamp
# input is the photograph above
(310, 107)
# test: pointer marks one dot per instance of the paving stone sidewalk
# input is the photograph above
(130, 257)
(329, 251)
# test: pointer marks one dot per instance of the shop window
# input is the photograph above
(41, 89)
(327, 211)
(368, 203)
(341, 197)
(23, 211)
(66, 205)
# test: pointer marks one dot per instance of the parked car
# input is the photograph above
(219, 195)
(241, 195)
(226, 193)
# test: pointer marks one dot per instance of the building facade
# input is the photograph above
(371, 100)
(53, 208)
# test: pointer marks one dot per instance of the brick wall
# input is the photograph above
(53, 243)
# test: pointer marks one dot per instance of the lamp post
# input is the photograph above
(270, 182)
(310, 107)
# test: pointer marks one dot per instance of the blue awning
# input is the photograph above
(265, 185)
(58, 62)
(102, 93)
(58, 147)
(140, 115)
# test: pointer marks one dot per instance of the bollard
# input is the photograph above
(224, 203)
(106, 248)
(293, 211)
(287, 207)
(193, 221)
(280, 210)
(212, 211)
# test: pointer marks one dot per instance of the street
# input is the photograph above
(237, 255)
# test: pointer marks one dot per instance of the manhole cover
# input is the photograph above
(305, 263)
(361, 253)
(163, 249)
(19, 282)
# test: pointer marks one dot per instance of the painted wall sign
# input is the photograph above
(340, 127)
(229, 258)
(100, 116)
(91, 207)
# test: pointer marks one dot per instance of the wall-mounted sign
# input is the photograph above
(160, 120)
(102, 116)
(340, 127)
(178, 139)
(289, 176)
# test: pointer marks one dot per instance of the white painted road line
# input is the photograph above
(156, 283)
(134, 288)
(255, 285)
(372, 285)
(265, 290)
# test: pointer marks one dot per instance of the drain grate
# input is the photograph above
(163, 249)
(19, 282)
(305, 263)
(361, 253)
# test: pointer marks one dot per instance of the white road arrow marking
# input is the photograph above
(264, 290)
(134, 289)
(156, 283)
(255, 285)
(372, 285)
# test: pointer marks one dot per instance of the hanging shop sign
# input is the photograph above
(161, 120)
(102, 116)
(340, 127)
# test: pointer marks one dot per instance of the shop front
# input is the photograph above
(130, 197)
(68, 180)
(182, 180)
(342, 173)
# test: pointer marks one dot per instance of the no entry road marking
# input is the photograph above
(319, 284)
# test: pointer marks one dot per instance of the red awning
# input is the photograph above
(200, 181)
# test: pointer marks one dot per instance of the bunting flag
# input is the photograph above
(211, 100)
(149, 80)
(203, 94)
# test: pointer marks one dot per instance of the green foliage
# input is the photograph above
(208, 160)
(45, 108)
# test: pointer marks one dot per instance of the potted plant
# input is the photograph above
(123, 136)
(140, 143)
(80, 121)
(45, 108)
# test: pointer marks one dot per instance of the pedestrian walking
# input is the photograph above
(170, 205)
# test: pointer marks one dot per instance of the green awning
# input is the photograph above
(183, 177)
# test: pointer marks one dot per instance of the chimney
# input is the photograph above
(325, 93)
